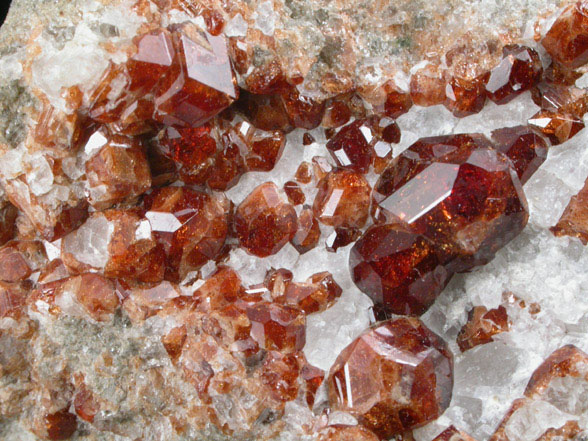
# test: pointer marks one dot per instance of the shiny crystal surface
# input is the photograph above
(457, 191)
(396, 376)
(398, 269)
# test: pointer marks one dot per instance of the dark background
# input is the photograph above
(4, 5)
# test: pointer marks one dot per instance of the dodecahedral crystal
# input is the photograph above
(394, 377)
(459, 192)
(350, 147)
(190, 225)
(264, 222)
(567, 39)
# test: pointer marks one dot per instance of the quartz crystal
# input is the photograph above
(395, 376)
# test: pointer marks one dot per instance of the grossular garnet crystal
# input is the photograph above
(394, 377)
(459, 192)
(398, 269)
(265, 221)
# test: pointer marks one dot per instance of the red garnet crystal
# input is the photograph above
(394, 377)
(117, 171)
(519, 70)
(200, 82)
(343, 199)
(558, 127)
(192, 227)
(526, 149)
(481, 326)
(264, 222)
(308, 232)
(567, 39)
(465, 96)
(350, 147)
(459, 192)
(398, 269)
(277, 327)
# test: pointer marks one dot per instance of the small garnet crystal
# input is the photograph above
(264, 221)
(394, 377)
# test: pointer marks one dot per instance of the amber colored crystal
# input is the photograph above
(557, 74)
(526, 149)
(317, 294)
(313, 377)
(108, 100)
(20, 258)
(200, 82)
(303, 173)
(60, 425)
(192, 148)
(350, 147)
(303, 112)
(519, 70)
(260, 149)
(574, 220)
(337, 114)
(453, 434)
(13, 297)
(566, 362)
(346, 433)
(264, 222)
(228, 168)
(85, 404)
(397, 101)
(341, 237)
(277, 327)
(394, 377)
(307, 139)
(343, 199)
(279, 374)
(481, 326)
(294, 193)
(398, 269)
(267, 79)
(459, 192)
(190, 225)
(276, 281)
(391, 133)
(465, 96)
(8, 215)
(557, 127)
(561, 99)
(153, 59)
(266, 112)
(95, 293)
(118, 170)
(307, 233)
(567, 39)
(427, 87)
(321, 166)
(70, 218)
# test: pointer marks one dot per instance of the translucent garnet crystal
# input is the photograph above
(277, 327)
(343, 199)
(190, 225)
(117, 170)
(398, 269)
(519, 70)
(526, 149)
(396, 376)
(264, 221)
(350, 147)
(459, 192)
(481, 326)
(567, 39)
(200, 82)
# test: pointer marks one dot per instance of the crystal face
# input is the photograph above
(567, 39)
(343, 199)
(264, 222)
(350, 147)
(191, 226)
(394, 377)
(398, 269)
(457, 191)
(199, 84)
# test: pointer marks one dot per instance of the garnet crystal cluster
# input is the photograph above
(126, 206)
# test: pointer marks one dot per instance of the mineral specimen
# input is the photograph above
(396, 376)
